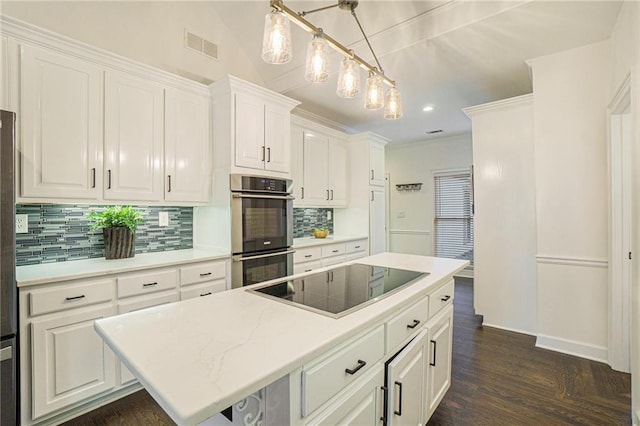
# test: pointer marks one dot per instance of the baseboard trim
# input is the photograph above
(571, 347)
(636, 421)
(514, 330)
(572, 261)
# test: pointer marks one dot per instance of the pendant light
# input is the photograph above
(276, 40)
(374, 94)
(316, 70)
(348, 79)
(393, 105)
(276, 49)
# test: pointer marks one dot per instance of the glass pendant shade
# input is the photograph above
(316, 70)
(348, 79)
(374, 95)
(393, 105)
(276, 41)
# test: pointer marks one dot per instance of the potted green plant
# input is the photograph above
(118, 224)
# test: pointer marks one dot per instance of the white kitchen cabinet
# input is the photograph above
(406, 383)
(61, 125)
(133, 138)
(359, 405)
(187, 147)
(252, 128)
(70, 362)
(377, 225)
(324, 171)
(376, 164)
(440, 354)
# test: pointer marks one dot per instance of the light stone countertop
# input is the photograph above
(75, 269)
(199, 356)
(312, 241)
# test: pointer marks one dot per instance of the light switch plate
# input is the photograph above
(22, 223)
(329, 215)
(163, 219)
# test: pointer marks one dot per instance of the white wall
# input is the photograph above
(505, 221)
(130, 29)
(569, 116)
(625, 59)
(412, 163)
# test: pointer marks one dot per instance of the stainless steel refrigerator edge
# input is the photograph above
(8, 296)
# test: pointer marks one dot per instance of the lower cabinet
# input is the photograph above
(440, 350)
(406, 390)
(361, 383)
(326, 254)
(70, 362)
(66, 366)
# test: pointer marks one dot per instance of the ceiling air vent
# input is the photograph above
(433, 132)
(201, 45)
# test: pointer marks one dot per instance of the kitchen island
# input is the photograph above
(200, 356)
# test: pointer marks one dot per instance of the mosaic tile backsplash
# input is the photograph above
(304, 220)
(59, 233)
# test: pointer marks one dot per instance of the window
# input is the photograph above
(453, 220)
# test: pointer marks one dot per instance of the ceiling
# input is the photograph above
(448, 54)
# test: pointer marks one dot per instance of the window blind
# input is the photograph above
(453, 222)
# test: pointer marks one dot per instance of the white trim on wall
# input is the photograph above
(571, 347)
(572, 261)
(408, 232)
(514, 330)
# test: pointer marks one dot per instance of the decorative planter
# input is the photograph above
(118, 243)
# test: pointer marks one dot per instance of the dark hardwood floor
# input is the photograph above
(498, 378)
(501, 378)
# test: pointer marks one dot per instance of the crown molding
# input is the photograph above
(498, 105)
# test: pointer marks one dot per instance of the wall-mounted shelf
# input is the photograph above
(409, 187)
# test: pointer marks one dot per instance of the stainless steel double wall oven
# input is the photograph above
(261, 229)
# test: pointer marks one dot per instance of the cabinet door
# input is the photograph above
(440, 352)
(297, 164)
(277, 131)
(376, 164)
(249, 130)
(126, 377)
(70, 362)
(406, 383)
(187, 150)
(316, 170)
(133, 132)
(338, 174)
(377, 225)
(61, 121)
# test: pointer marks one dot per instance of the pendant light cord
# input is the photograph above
(353, 13)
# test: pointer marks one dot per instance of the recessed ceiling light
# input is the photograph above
(428, 108)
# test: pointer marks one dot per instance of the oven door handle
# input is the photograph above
(241, 258)
(270, 197)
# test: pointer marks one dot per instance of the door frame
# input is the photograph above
(620, 163)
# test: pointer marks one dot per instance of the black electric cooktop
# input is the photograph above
(341, 290)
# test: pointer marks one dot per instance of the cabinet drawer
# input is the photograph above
(356, 246)
(440, 298)
(299, 268)
(70, 296)
(307, 254)
(203, 272)
(355, 256)
(334, 250)
(325, 377)
(407, 322)
(204, 289)
(149, 282)
(334, 260)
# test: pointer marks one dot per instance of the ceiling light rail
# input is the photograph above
(276, 49)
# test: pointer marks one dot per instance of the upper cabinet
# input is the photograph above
(257, 122)
(61, 125)
(187, 146)
(133, 138)
(93, 127)
(319, 166)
